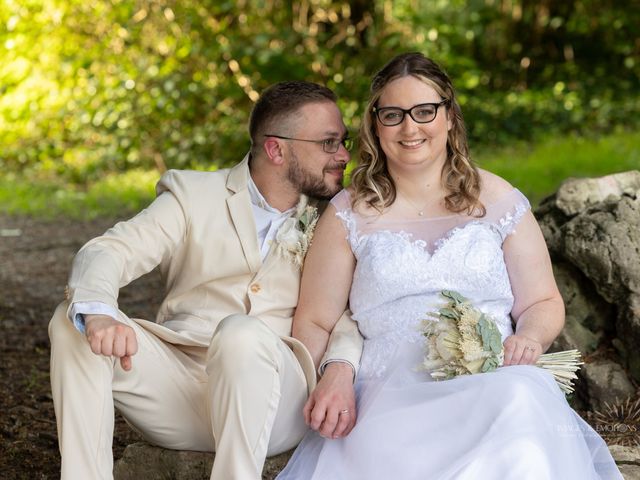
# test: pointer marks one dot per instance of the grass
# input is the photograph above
(113, 195)
(536, 169)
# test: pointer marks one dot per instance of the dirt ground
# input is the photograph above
(35, 257)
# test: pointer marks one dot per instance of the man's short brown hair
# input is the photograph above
(278, 105)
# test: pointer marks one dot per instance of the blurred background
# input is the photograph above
(98, 98)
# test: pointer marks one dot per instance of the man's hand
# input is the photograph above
(331, 408)
(111, 338)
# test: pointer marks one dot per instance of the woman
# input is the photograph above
(419, 218)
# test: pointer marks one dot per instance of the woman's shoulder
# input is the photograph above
(505, 205)
(493, 188)
(342, 200)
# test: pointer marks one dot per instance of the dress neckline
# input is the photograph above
(377, 218)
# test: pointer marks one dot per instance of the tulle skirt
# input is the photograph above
(513, 423)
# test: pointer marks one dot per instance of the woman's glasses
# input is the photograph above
(423, 113)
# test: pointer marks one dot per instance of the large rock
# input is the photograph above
(629, 334)
(625, 454)
(588, 317)
(606, 383)
(592, 228)
(144, 461)
(577, 291)
(630, 472)
(604, 243)
(578, 194)
(628, 460)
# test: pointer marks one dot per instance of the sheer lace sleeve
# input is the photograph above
(507, 212)
(342, 203)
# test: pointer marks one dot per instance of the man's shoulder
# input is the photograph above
(187, 182)
(194, 176)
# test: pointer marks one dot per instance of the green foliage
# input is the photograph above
(113, 85)
(536, 169)
(113, 195)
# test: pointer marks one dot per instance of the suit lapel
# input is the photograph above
(239, 205)
(270, 261)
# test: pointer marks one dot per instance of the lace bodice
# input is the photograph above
(402, 268)
(409, 426)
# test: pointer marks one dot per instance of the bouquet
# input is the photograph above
(462, 340)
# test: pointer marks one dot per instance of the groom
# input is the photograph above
(218, 369)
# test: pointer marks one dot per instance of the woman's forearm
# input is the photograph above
(324, 289)
(314, 337)
(542, 321)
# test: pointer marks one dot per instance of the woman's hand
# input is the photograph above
(521, 350)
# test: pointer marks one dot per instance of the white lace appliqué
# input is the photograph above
(509, 221)
(397, 280)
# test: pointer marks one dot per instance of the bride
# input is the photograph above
(420, 218)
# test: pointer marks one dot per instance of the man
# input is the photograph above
(218, 371)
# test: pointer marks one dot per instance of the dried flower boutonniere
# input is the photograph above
(295, 234)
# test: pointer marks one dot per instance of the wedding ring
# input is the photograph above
(344, 412)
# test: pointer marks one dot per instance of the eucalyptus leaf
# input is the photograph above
(455, 296)
(449, 313)
(490, 364)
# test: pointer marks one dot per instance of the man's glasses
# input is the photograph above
(423, 113)
(329, 145)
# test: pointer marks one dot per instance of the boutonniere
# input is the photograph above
(295, 234)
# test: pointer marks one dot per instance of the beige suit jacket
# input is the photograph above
(201, 231)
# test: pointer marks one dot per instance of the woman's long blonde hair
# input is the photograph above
(371, 180)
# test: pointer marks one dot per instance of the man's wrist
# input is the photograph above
(79, 312)
(79, 323)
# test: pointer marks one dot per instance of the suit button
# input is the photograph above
(255, 288)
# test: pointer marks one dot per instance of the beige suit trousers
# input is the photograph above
(242, 397)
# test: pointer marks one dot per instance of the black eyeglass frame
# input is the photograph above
(404, 111)
(346, 142)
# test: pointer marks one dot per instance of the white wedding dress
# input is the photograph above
(513, 423)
